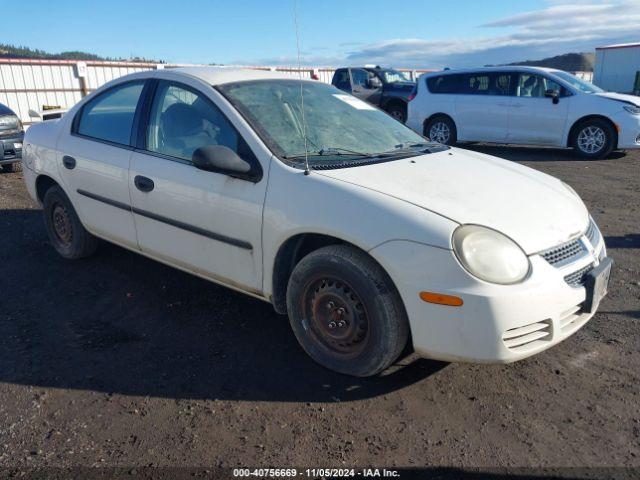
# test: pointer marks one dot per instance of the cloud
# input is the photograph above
(559, 28)
(551, 31)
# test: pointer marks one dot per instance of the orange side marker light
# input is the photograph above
(441, 299)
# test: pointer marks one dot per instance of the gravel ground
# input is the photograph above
(120, 361)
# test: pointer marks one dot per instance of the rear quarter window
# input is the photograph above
(443, 84)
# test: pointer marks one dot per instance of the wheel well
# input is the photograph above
(428, 119)
(395, 102)
(575, 125)
(288, 256)
(44, 183)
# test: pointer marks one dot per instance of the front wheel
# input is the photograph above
(594, 139)
(399, 112)
(345, 311)
(441, 129)
(12, 167)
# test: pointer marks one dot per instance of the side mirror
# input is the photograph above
(34, 114)
(552, 94)
(374, 82)
(221, 159)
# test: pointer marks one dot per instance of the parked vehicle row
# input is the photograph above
(11, 137)
(365, 234)
(524, 106)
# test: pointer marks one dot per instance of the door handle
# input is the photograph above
(516, 105)
(143, 184)
(69, 162)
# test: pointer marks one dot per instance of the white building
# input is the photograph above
(617, 68)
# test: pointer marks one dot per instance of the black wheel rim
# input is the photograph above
(337, 317)
(62, 226)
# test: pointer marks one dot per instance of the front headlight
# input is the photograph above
(490, 255)
(633, 109)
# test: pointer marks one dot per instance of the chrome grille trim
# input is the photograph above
(577, 278)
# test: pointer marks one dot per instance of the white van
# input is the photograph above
(524, 106)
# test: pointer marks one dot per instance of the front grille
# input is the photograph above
(564, 253)
(577, 278)
(528, 337)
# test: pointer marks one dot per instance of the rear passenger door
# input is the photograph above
(94, 162)
(205, 222)
(482, 106)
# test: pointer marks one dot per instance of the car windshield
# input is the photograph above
(578, 83)
(337, 125)
(393, 76)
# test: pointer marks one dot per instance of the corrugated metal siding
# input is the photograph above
(615, 68)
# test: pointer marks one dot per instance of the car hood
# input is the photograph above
(534, 209)
(620, 97)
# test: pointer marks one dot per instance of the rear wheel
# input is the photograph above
(66, 233)
(593, 139)
(346, 312)
(441, 129)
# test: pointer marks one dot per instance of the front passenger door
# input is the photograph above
(534, 118)
(204, 222)
(361, 86)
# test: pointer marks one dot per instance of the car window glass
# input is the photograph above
(182, 121)
(502, 83)
(475, 84)
(532, 85)
(443, 84)
(109, 116)
(360, 78)
(341, 79)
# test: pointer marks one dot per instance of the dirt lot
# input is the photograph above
(120, 361)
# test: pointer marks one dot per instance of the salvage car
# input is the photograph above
(11, 136)
(386, 88)
(368, 236)
(524, 106)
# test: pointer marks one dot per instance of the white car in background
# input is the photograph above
(524, 106)
(382, 239)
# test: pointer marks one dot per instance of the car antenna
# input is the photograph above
(304, 122)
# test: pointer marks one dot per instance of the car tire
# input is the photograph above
(12, 167)
(441, 129)
(398, 111)
(594, 139)
(345, 311)
(66, 233)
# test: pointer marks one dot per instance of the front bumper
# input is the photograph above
(11, 149)
(496, 323)
(628, 130)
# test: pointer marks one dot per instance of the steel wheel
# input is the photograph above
(337, 316)
(440, 132)
(62, 225)
(591, 139)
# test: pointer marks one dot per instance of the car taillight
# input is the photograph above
(412, 95)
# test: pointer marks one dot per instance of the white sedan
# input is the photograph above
(364, 233)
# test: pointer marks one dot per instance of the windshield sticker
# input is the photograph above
(353, 101)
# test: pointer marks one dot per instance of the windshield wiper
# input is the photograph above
(329, 151)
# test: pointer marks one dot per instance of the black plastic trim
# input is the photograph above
(174, 223)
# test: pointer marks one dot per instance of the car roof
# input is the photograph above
(506, 68)
(221, 75)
